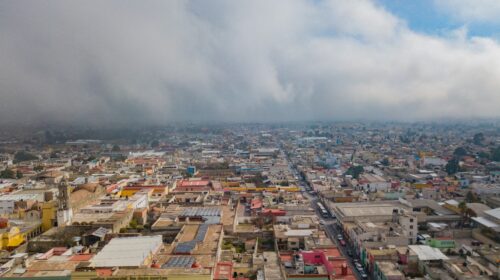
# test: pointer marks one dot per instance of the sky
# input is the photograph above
(154, 62)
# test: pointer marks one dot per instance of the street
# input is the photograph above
(332, 230)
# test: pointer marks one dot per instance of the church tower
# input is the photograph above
(64, 211)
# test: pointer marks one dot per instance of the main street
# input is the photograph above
(331, 227)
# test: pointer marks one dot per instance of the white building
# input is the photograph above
(128, 252)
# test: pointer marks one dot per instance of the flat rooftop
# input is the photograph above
(364, 210)
(127, 251)
(389, 269)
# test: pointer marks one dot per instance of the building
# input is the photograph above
(203, 186)
(128, 252)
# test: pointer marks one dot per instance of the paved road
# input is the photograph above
(331, 229)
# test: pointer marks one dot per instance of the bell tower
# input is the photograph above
(64, 211)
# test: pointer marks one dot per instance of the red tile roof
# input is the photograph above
(256, 203)
(224, 270)
(82, 257)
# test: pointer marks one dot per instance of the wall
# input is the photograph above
(6, 206)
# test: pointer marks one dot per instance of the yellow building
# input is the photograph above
(154, 191)
(420, 186)
(49, 215)
(11, 238)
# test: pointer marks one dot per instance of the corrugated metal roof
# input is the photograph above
(427, 253)
(494, 213)
(187, 247)
(127, 251)
(485, 222)
(179, 261)
(100, 232)
(201, 211)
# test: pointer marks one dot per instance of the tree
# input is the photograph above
(495, 154)
(460, 152)
(385, 162)
(133, 223)
(471, 197)
(483, 155)
(23, 156)
(478, 139)
(452, 166)
(115, 148)
(7, 174)
(19, 174)
(355, 171)
(463, 210)
(155, 143)
(38, 168)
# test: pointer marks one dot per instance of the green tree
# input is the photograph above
(38, 168)
(452, 166)
(355, 171)
(23, 156)
(385, 162)
(19, 174)
(133, 223)
(463, 210)
(495, 154)
(478, 139)
(115, 148)
(471, 197)
(155, 143)
(460, 152)
(483, 155)
(8, 174)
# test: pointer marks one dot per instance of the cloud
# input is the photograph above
(482, 11)
(160, 61)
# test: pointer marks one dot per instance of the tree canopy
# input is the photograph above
(452, 166)
(478, 139)
(355, 171)
(23, 156)
(155, 143)
(460, 152)
(495, 154)
(8, 174)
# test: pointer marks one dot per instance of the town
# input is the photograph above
(294, 201)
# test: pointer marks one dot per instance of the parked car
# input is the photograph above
(339, 237)
(358, 266)
(364, 275)
(342, 242)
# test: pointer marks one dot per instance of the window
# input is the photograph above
(411, 220)
(411, 227)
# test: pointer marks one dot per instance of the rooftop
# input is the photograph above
(427, 253)
(127, 251)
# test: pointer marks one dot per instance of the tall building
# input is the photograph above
(64, 211)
